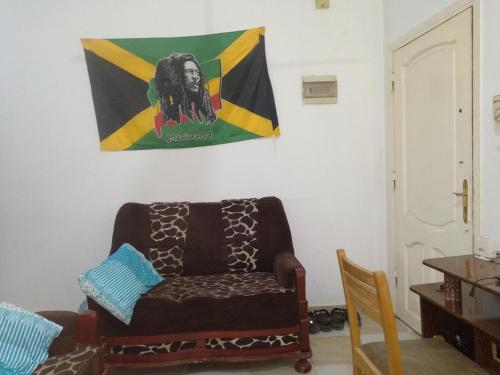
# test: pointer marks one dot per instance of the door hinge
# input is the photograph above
(392, 82)
(396, 278)
(393, 181)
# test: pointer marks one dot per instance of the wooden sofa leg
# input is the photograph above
(303, 366)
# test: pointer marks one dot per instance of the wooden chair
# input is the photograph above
(369, 292)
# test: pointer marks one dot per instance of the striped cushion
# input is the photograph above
(120, 281)
(25, 338)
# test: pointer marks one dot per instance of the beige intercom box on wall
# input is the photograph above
(496, 109)
(319, 89)
(322, 4)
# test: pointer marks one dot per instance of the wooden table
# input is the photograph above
(470, 323)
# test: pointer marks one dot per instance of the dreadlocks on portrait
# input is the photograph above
(181, 91)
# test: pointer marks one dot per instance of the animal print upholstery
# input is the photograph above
(151, 349)
(217, 286)
(239, 217)
(75, 362)
(168, 229)
(211, 343)
(252, 342)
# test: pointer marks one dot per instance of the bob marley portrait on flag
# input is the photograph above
(178, 92)
(182, 92)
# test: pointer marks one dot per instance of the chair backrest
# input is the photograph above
(369, 292)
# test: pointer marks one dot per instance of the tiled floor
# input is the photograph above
(331, 355)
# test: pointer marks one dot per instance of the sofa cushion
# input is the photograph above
(168, 230)
(235, 251)
(81, 361)
(240, 219)
(202, 303)
(221, 286)
(208, 245)
(119, 281)
(203, 253)
(25, 338)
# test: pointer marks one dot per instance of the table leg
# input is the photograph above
(452, 288)
(426, 320)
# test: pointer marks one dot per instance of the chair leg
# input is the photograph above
(303, 366)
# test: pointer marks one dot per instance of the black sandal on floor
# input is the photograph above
(313, 323)
(339, 317)
(324, 320)
(347, 316)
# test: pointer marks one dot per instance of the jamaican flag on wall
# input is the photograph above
(181, 92)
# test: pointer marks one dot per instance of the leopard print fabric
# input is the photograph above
(219, 286)
(168, 229)
(167, 261)
(152, 349)
(212, 343)
(252, 342)
(239, 218)
(71, 363)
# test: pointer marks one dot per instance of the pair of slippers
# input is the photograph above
(323, 320)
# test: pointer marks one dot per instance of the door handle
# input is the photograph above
(465, 200)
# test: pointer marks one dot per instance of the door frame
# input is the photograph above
(433, 22)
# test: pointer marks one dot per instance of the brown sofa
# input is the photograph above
(233, 289)
(76, 351)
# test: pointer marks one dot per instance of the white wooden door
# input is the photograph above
(432, 113)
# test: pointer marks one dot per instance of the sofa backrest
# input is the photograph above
(206, 238)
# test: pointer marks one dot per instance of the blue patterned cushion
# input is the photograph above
(25, 339)
(120, 281)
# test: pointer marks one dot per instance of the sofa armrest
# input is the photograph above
(77, 329)
(289, 273)
(88, 330)
(66, 341)
(284, 269)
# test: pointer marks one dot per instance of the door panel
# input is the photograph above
(432, 109)
(427, 157)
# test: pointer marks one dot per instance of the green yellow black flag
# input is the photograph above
(181, 92)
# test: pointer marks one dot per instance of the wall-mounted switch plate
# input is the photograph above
(496, 109)
(322, 4)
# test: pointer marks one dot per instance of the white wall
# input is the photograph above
(400, 16)
(490, 133)
(59, 193)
